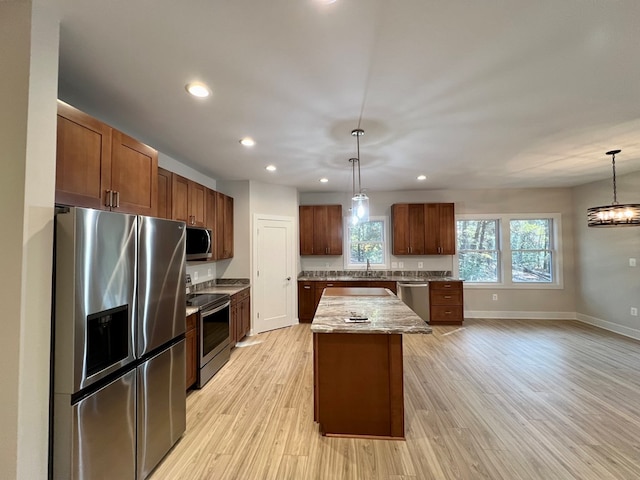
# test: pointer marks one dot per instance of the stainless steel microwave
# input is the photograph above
(199, 243)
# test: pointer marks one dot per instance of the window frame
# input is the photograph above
(505, 253)
(385, 245)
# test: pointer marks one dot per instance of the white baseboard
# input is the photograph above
(521, 315)
(606, 325)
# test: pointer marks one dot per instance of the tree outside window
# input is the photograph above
(531, 254)
(478, 250)
(512, 250)
(366, 241)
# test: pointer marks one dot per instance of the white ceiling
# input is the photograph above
(474, 94)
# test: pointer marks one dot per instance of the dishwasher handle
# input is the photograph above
(413, 285)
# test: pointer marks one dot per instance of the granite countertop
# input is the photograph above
(228, 286)
(229, 289)
(413, 276)
(374, 278)
(387, 314)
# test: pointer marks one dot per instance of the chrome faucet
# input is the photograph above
(368, 266)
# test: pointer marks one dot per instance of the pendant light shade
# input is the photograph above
(359, 200)
(614, 215)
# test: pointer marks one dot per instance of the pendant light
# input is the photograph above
(359, 201)
(614, 215)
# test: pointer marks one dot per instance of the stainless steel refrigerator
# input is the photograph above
(119, 349)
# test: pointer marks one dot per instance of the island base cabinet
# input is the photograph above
(358, 385)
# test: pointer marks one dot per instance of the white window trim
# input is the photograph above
(504, 260)
(387, 245)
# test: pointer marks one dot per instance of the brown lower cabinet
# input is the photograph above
(446, 303)
(240, 316)
(310, 292)
(191, 337)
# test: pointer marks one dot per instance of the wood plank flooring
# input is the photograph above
(496, 399)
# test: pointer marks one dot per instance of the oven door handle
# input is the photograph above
(206, 313)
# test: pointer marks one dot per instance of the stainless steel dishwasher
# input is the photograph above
(416, 296)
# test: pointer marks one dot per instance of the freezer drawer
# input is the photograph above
(161, 406)
(95, 438)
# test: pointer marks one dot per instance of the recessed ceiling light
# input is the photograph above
(422, 177)
(324, 180)
(248, 141)
(198, 89)
(326, 2)
(270, 168)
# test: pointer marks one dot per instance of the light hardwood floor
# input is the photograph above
(497, 399)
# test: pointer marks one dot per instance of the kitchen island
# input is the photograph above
(358, 366)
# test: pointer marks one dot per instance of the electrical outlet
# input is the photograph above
(494, 297)
(632, 262)
(195, 276)
(209, 274)
(400, 264)
(634, 312)
(420, 265)
(394, 264)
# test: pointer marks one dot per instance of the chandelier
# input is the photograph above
(616, 214)
(359, 200)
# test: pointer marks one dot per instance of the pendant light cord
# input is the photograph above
(358, 149)
(613, 165)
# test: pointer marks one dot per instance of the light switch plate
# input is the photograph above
(394, 264)
(420, 264)
(632, 262)
(195, 276)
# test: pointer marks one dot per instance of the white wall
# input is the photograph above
(607, 286)
(550, 303)
(28, 91)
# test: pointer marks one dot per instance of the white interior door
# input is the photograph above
(273, 276)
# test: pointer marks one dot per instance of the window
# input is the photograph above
(366, 241)
(531, 255)
(509, 250)
(478, 250)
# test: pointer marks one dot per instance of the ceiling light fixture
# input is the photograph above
(198, 89)
(324, 180)
(614, 215)
(359, 201)
(247, 141)
(422, 177)
(270, 168)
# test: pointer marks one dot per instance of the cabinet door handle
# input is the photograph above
(448, 285)
(447, 296)
(108, 198)
(117, 199)
(307, 287)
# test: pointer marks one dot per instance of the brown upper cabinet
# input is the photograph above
(100, 167)
(223, 233)
(423, 229)
(188, 200)
(408, 228)
(320, 229)
(440, 233)
(164, 193)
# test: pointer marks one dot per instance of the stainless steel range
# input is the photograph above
(214, 344)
